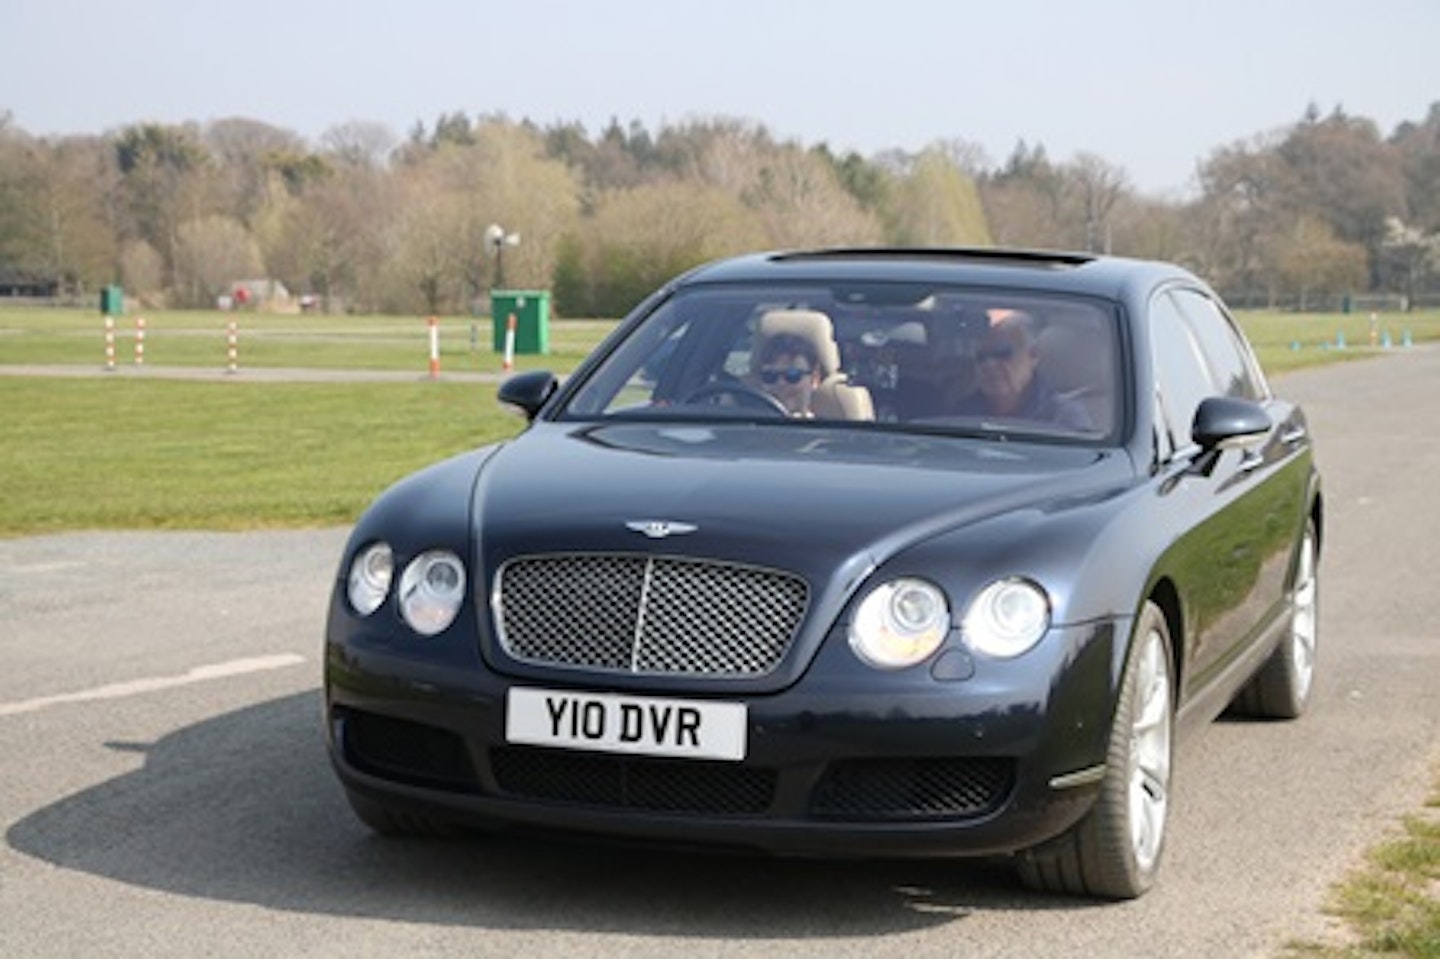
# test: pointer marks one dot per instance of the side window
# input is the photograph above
(1182, 378)
(1232, 365)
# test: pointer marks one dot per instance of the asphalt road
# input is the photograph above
(164, 789)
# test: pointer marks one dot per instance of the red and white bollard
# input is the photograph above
(139, 341)
(434, 348)
(510, 342)
(109, 344)
(232, 342)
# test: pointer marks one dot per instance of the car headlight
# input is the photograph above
(431, 591)
(900, 623)
(369, 580)
(1006, 618)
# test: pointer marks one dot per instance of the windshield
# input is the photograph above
(889, 355)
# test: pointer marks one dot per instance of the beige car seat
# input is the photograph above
(835, 397)
(1076, 360)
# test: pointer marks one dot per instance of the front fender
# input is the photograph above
(428, 509)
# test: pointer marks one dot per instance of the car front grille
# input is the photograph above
(647, 614)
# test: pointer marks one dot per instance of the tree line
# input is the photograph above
(1308, 215)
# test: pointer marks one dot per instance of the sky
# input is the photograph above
(1152, 86)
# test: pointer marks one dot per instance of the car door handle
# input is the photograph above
(1294, 435)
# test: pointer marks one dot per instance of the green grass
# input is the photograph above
(1391, 905)
(100, 453)
(1289, 341)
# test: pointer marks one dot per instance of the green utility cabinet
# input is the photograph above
(531, 309)
(112, 301)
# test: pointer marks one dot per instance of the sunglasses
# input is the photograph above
(1001, 353)
(792, 375)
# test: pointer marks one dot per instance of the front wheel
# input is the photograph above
(1115, 850)
(1281, 687)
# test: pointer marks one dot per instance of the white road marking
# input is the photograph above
(200, 674)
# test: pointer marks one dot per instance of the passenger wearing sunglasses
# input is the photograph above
(1007, 383)
(790, 371)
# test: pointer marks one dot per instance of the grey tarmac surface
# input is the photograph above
(164, 789)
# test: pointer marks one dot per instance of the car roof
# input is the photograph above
(1106, 276)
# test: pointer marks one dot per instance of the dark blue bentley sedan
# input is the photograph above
(847, 552)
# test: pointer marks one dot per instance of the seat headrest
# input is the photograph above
(811, 326)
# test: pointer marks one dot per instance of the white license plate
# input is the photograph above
(605, 722)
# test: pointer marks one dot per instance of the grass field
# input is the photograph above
(94, 453)
(1287, 341)
(236, 453)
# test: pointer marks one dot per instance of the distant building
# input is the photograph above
(15, 284)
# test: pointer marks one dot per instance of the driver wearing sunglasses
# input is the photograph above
(790, 371)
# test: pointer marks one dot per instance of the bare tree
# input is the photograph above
(1413, 254)
(1339, 170)
(802, 202)
(1099, 184)
(142, 271)
(359, 143)
(638, 238)
(934, 203)
(211, 254)
(52, 213)
(162, 183)
(1309, 260)
(242, 153)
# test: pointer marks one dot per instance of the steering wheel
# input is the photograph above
(742, 395)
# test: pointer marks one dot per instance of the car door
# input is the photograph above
(1236, 511)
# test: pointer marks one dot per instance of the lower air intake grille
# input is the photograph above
(404, 751)
(620, 782)
(897, 789)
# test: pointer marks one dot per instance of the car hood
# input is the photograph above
(818, 501)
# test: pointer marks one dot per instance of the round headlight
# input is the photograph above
(900, 623)
(431, 591)
(369, 580)
(1006, 618)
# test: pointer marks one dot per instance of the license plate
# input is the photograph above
(605, 722)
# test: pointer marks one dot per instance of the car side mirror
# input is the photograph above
(1225, 422)
(529, 391)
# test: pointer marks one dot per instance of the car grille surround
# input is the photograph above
(647, 615)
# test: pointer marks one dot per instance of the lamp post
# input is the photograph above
(496, 240)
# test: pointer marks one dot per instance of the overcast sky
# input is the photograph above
(1150, 85)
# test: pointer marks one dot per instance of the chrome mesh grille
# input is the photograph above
(644, 614)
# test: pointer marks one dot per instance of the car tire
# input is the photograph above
(1280, 689)
(388, 821)
(1115, 851)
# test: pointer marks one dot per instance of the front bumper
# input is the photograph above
(987, 758)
